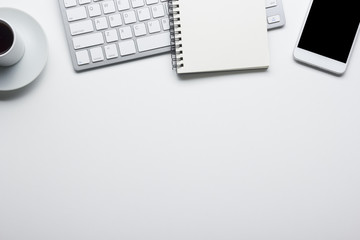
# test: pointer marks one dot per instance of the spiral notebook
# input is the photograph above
(209, 35)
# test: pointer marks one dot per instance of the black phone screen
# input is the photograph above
(331, 28)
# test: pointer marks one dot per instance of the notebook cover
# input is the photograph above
(219, 35)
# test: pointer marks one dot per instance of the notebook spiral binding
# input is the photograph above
(175, 34)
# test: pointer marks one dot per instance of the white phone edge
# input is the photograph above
(319, 61)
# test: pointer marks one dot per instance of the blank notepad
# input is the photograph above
(214, 35)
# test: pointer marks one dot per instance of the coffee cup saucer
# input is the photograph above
(36, 51)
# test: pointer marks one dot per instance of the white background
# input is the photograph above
(133, 152)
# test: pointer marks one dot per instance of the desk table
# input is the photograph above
(134, 152)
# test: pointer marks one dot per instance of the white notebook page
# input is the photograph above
(223, 35)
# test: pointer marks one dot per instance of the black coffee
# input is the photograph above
(6, 37)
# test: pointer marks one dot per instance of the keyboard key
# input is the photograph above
(129, 17)
(81, 2)
(153, 42)
(125, 32)
(101, 23)
(158, 11)
(108, 7)
(69, 3)
(115, 20)
(143, 14)
(139, 29)
(81, 27)
(166, 6)
(94, 10)
(123, 5)
(137, 3)
(127, 47)
(154, 26)
(270, 3)
(111, 51)
(82, 57)
(111, 36)
(274, 19)
(88, 40)
(97, 54)
(149, 2)
(74, 14)
(165, 23)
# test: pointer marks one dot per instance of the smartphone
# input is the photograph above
(329, 34)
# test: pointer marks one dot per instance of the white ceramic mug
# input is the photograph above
(12, 47)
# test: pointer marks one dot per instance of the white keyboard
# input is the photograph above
(275, 14)
(104, 32)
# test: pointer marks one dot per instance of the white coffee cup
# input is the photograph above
(12, 47)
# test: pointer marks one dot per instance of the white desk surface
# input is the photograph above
(133, 152)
